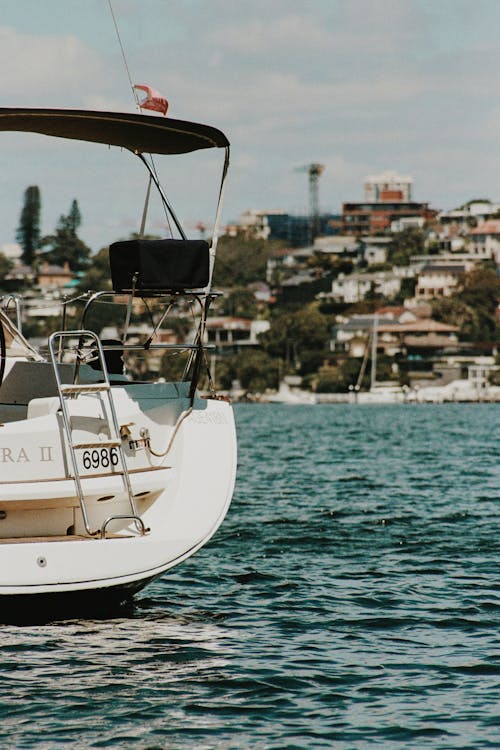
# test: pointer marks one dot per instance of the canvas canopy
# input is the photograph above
(137, 132)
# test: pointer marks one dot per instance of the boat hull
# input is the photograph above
(180, 517)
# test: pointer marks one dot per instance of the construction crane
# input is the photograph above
(314, 171)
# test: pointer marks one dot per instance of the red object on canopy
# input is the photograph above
(154, 100)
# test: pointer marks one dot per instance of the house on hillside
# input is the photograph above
(54, 277)
(228, 332)
(438, 279)
(484, 240)
(354, 287)
(375, 250)
(422, 337)
(352, 335)
(338, 247)
(418, 337)
(468, 216)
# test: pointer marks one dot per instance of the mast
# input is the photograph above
(373, 379)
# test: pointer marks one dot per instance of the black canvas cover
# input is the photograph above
(161, 265)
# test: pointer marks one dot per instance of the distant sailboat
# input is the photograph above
(379, 393)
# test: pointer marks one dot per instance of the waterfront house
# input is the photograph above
(421, 337)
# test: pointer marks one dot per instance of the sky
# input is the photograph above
(360, 86)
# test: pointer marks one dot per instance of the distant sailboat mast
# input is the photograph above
(373, 379)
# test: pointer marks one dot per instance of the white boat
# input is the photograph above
(287, 394)
(106, 482)
(382, 393)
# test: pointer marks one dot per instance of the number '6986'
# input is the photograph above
(100, 458)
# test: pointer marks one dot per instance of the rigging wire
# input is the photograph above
(136, 99)
(134, 92)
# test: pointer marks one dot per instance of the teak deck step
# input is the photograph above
(85, 388)
(98, 444)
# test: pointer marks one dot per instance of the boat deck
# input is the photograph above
(65, 538)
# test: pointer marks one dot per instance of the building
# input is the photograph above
(438, 279)
(377, 217)
(338, 247)
(422, 337)
(228, 332)
(355, 286)
(407, 222)
(257, 223)
(468, 216)
(398, 331)
(54, 277)
(276, 224)
(351, 335)
(375, 250)
(388, 186)
(388, 203)
(484, 240)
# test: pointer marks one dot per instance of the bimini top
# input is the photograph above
(138, 133)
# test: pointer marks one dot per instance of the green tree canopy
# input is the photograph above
(239, 302)
(64, 244)
(408, 242)
(293, 333)
(255, 370)
(97, 276)
(241, 261)
(480, 288)
(472, 307)
(28, 232)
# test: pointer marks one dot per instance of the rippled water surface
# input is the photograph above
(350, 600)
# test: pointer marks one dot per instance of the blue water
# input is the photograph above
(350, 600)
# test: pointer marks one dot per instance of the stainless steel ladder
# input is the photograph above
(89, 341)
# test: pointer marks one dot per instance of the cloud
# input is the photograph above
(43, 69)
(355, 84)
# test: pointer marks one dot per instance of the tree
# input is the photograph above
(408, 242)
(472, 306)
(255, 370)
(240, 303)
(97, 276)
(241, 261)
(64, 244)
(294, 333)
(28, 232)
(74, 218)
(480, 288)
